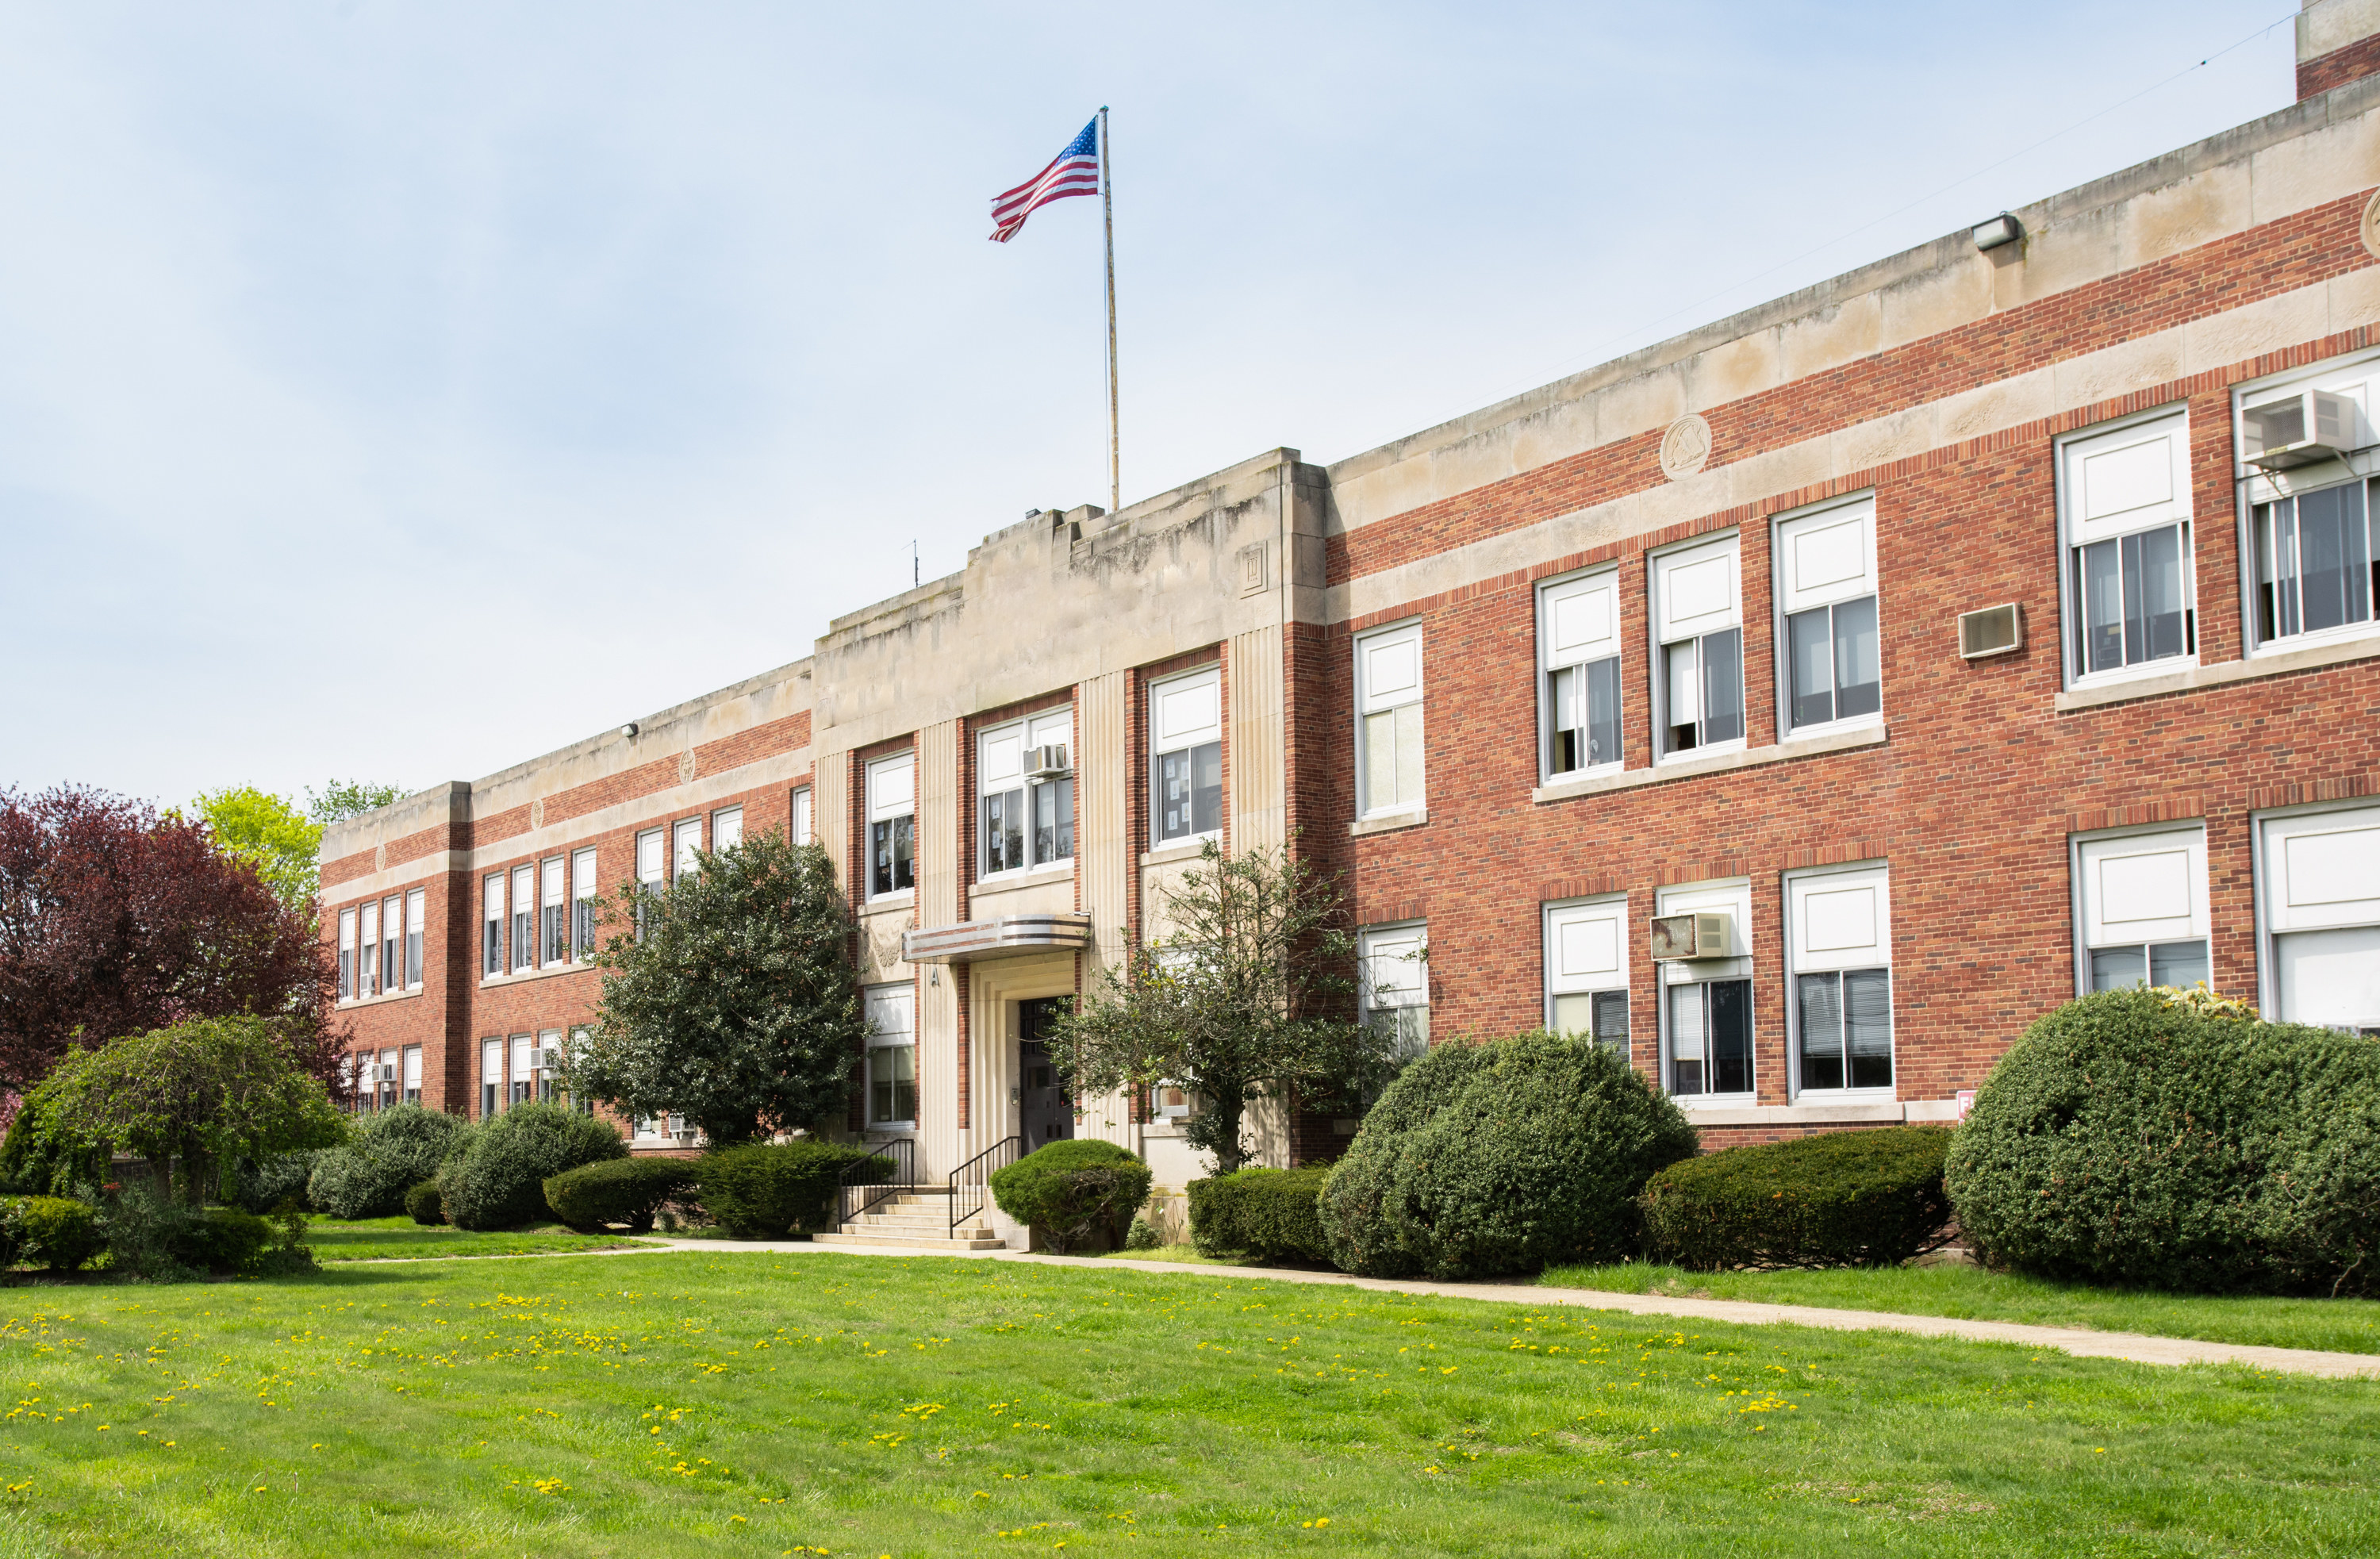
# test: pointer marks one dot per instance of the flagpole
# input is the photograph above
(1107, 212)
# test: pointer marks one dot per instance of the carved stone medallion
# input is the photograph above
(686, 766)
(2372, 224)
(379, 858)
(536, 812)
(1685, 446)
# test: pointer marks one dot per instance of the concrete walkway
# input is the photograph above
(2081, 1343)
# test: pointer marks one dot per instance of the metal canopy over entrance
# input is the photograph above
(1012, 936)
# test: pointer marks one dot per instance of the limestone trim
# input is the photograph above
(1392, 824)
(1717, 763)
(2270, 663)
(1869, 1113)
(422, 869)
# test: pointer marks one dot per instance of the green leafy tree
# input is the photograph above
(341, 799)
(730, 998)
(268, 834)
(188, 1099)
(1248, 997)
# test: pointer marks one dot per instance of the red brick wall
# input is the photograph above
(2338, 67)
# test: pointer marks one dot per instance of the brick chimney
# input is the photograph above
(2339, 42)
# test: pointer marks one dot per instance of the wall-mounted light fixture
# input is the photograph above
(629, 729)
(2002, 229)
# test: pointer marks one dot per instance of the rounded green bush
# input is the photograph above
(264, 1185)
(1274, 1215)
(497, 1180)
(226, 1239)
(389, 1155)
(1499, 1157)
(423, 1204)
(1072, 1189)
(762, 1190)
(617, 1191)
(57, 1232)
(2169, 1139)
(1869, 1198)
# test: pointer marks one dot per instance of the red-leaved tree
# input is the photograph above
(116, 920)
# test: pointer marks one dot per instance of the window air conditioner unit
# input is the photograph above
(2301, 430)
(1704, 933)
(1046, 762)
(1995, 630)
(387, 1071)
(550, 1059)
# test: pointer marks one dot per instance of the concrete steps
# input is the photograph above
(914, 1219)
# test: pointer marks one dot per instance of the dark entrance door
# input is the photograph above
(1044, 1112)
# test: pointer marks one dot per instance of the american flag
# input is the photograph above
(1074, 171)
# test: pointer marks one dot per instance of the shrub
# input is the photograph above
(1843, 1198)
(145, 1234)
(1142, 1236)
(2169, 1139)
(262, 1185)
(762, 1190)
(1272, 1213)
(617, 1191)
(1071, 1189)
(226, 1240)
(423, 1204)
(497, 1180)
(390, 1154)
(58, 1232)
(1502, 1157)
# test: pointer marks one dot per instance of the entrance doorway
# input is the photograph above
(1045, 1111)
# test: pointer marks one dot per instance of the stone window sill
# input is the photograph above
(1186, 849)
(1847, 1113)
(2276, 662)
(1388, 823)
(1717, 763)
(1016, 882)
(891, 904)
(524, 976)
(352, 1003)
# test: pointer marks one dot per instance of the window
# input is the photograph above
(1186, 746)
(387, 1080)
(2143, 908)
(346, 955)
(1698, 624)
(1840, 941)
(585, 888)
(524, 917)
(417, 922)
(801, 816)
(1025, 784)
(1706, 1002)
(524, 1070)
(1393, 971)
(2124, 496)
(545, 1066)
(2316, 564)
(891, 1055)
(1586, 970)
(552, 912)
(578, 1100)
(891, 825)
(392, 942)
(2317, 554)
(1388, 709)
(2321, 903)
(1826, 593)
(1578, 640)
(652, 860)
(368, 976)
(726, 828)
(491, 925)
(685, 858)
(412, 1075)
(492, 1078)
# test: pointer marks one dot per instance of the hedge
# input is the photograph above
(1502, 1156)
(2169, 1139)
(617, 1191)
(763, 1190)
(1270, 1213)
(262, 1187)
(391, 1153)
(225, 1239)
(497, 1179)
(423, 1204)
(57, 1233)
(1869, 1198)
(1072, 1189)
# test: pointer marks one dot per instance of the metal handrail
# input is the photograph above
(974, 1177)
(902, 1151)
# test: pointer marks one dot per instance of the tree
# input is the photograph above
(1248, 997)
(342, 800)
(115, 920)
(188, 1099)
(270, 835)
(730, 998)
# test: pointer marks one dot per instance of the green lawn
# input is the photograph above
(1970, 1293)
(741, 1404)
(370, 1240)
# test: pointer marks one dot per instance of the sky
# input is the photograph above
(398, 391)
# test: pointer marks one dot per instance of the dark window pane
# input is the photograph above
(1603, 711)
(2098, 573)
(2117, 968)
(1053, 821)
(1731, 1036)
(1809, 654)
(2276, 570)
(2159, 614)
(1867, 1027)
(2333, 537)
(2178, 963)
(1611, 1019)
(1723, 686)
(1859, 678)
(1206, 787)
(905, 853)
(1003, 830)
(1821, 1003)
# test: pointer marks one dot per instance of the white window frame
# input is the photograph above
(1817, 567)
(800, 816)
(1389, 686)
(1675, 618)
(1586, 954)
(726, 828)
(2074, 451)
(1732, 896)
(491, 925)
(409, 1077)
(417, 929)
(524, 919)
(350, 966)
(2089, 856)
(1000, 773)
(878, 1000)
(685, 838)
(367, 942)
(1392, 967)
(553, 911)
(391, 944)
(2277, 917)
(586, 895)
(1822, 906)
(520, 1076)
(492, 1092)
(1578, 628)
(892, 796)
(1185, 714)
(2357, 378)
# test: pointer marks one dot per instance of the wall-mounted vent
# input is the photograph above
(1995, 630)
(2304, 429)
(1704, 933)
(1046, 762)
